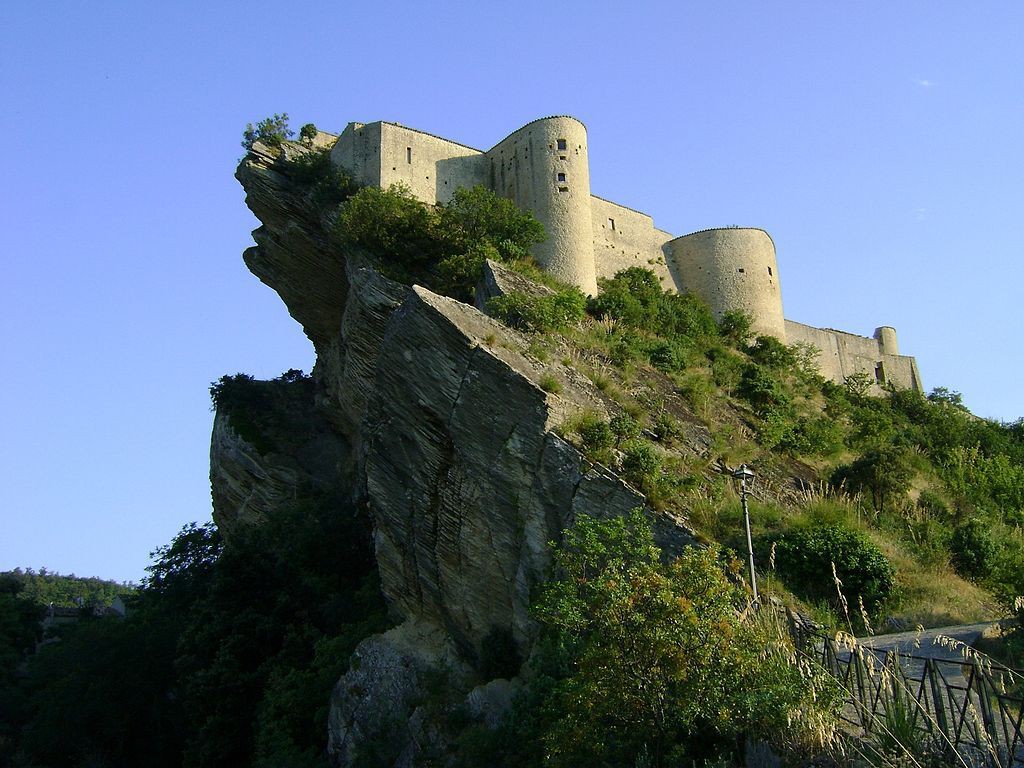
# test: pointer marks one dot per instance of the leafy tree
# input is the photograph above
(308, 132)
(973, 549)
(884, 472)
(658, 664)
(271, 131)
(735, 327)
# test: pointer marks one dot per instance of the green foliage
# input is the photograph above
(769, 352)
(653, 661)
(763, 389)
(271, 131)
(884, 472)
(44, 587)
(307, 132)
(973, 548)
(328, 183)
(736, 327)
(228, 653)
(441, 247)
(804, 558)
(624, 427)
(640, 463)
(634, 298)
(540, 314)
(258, 410)
(550, 383)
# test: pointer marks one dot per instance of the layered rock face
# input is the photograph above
(442, 433)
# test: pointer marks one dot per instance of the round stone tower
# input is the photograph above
(544, 168)
(886, 337)
(733, 269)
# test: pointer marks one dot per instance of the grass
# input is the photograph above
(550, 384)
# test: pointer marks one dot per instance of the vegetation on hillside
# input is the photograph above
(45, 588)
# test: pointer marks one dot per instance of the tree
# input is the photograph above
(660, 664)
(271, 131)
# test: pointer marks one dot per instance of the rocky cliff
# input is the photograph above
(431, 413)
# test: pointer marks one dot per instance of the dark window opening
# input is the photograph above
(561, 177)
(769, 270)
(561, 157)
(740, 269)
(563, 189)
(879, 373)
(611, 223)
(562, 145)
(408, 154)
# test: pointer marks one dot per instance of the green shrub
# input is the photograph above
(550, 384)
(771, 353)
(653, 663)
(271, 131)
(760, 387)
(735, 327)
(885, 472)
(624, 427)
(308, 132)
(804, 558)
(597, 436)
(972, 548)
(640, 462)
(328, 183)
(539, 313)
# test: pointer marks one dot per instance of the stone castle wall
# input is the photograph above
(844, 354)
(544, 168)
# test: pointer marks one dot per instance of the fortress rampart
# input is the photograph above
(544, 168)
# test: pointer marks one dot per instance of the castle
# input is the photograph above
(544, 168)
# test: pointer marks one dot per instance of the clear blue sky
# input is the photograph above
(879, 143)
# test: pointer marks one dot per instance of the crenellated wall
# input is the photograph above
(544, 168)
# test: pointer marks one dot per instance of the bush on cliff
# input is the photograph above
(441, 247)
(271, 131)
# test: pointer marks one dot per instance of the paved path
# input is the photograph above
(924, 643)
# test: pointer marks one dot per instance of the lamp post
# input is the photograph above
(745, 474)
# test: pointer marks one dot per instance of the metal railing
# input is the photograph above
(969, 709)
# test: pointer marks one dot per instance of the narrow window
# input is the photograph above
(408, 155)
(611, 223)
(563, 189)
(879, 373)
(562, 145)
(769, 271)
(561, 177)
(561, 157)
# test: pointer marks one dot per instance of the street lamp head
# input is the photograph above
(744, 473)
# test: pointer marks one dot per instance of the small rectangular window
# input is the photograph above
(562, 146)
(740, 269)
(408, 154)
(563, 189)
(769, 270)
(880, 373)
(611, 223)
(561, 177)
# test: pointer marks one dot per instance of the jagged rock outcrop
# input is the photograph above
(288, 451)
(445, 437)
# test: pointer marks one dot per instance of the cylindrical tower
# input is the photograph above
(733, 269)
(544, 168)
(886, 337)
